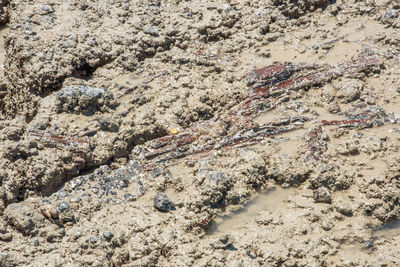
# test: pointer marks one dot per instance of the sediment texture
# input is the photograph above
(135, 132)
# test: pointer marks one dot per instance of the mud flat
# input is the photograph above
(153, 133)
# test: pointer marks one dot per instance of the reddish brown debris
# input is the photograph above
(348, 123)
(237, 126)
(55, 139)
(316, 147)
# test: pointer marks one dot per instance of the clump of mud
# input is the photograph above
(199, 133)
(4, 12)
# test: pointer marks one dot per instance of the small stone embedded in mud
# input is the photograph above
(334, 108)
(6, 237)
(75, 183)
(151, 30)
(325, 225)
(93, 239)
(108, 235)
(63, 206)
(107, 123)
(369, 244)
(390, 14)
(223, 242)
(62, 194)
(162, 203)
(129, 197)
(322, 195)
(344, 209)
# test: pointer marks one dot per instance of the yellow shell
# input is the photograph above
(174, 131)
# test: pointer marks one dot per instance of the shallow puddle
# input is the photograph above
(267, 116)
(349, 253)
(388, 231)
(270, 200)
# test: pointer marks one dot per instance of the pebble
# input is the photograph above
(62, 194)
(227, 8)
(129, 197)
(36, 243)
(93, 239)
(108, 235)
(75, 183)
(326, 226)
(63, 206)
(105, 169)
(390, 14)
(149, 29)
(368, 244)
(322, 194)
(162, 203)
(345, 209)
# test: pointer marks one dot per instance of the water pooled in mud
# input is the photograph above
(270, 200)
(388, 231)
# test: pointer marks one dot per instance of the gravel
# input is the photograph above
(162, 203)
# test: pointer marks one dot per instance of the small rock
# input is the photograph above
(75, 183)
(107, 123)
(93, 239)
(334, 108)
(301, 48)
(344, 209)
(315, 47)
(227, 8)
(162, 203)
(6, 237)
(63, 206)
(222, 242)
(322, 194)
(129, 197)
(368, 244)
(50, 213)
(108, 235)
(105, 169)
(123, 183)
(390, 14)
(149, 29)
(62, 194)
(326, 226)
(46, 9)
(36, 243)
